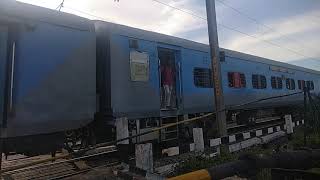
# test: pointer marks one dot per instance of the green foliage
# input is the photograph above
(313, 139)
(313, 115)
(263, 174)
(202, 162)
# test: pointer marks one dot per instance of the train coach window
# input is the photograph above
(276, 82)
(310, 85)
(202, 77)
(236, 80)
(301, 84)
(290, 84)
(259, 81)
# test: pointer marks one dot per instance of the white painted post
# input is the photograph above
(232, 138)
(191, 147)
(215, 143)
(198, 139)
(289, 124)
(122, 130)
(144, 157)
(259, 133)
(218, 150)
(246, 135)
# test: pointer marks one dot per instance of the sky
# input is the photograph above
(282, 30)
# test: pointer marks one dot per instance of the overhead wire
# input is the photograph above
(86, 13)
(60, 5)
(192, 13)
(182, 10)
(243, 14)
(262, 24)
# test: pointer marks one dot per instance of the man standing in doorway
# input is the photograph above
(168, 81)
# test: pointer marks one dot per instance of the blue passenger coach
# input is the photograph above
(247, 78)
(265, 78)
(48, 71)
(66, 79)
(134, 96)
(133, 84)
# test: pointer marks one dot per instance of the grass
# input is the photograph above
(312, 140)
(202, 162)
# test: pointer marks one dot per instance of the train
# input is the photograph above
(65, 78)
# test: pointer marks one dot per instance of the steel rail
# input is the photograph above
(30, 167)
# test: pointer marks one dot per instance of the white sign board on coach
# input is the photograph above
(139, 65)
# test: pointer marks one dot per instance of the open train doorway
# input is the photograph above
(168, 79)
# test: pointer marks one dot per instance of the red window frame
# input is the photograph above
(301, 84)
(236, 80)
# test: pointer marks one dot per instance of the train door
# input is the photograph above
(3, 67)
(169, 79)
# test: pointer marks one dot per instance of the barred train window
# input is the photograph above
(301, 84)
(236, 80)
(290, 84)
(276, 82)
(310, 85)
(259, 81)
(202, 77)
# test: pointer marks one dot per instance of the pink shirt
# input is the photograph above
(167, 76)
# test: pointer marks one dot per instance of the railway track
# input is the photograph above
(259, 124)
(62, 168)
(49, 172)
(95, 158)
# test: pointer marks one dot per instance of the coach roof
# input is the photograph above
(13, 11)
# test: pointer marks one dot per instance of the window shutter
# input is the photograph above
(237, 82)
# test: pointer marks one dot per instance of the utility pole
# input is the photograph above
(216, 68)
(305, 116)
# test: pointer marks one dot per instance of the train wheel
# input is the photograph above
(252, 121)
(79, 139)
(71, 141)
